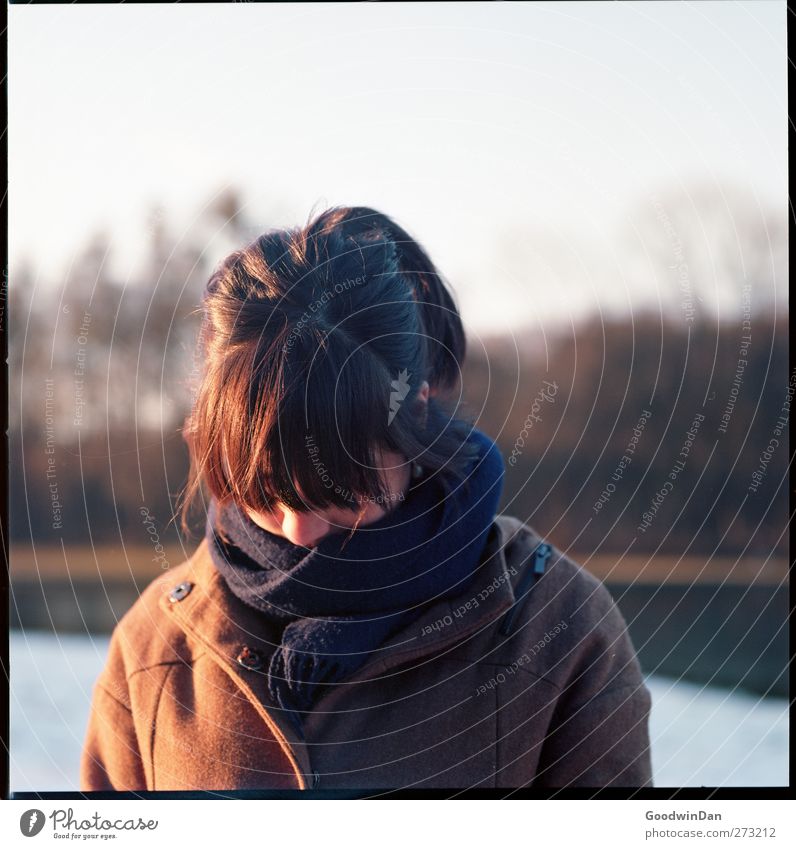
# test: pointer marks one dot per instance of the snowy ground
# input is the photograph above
(700, 736)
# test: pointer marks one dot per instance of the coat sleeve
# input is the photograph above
(599, 736)
(111, 758)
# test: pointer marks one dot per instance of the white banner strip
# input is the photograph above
(397, 824)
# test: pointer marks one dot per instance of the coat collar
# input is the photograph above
(217, 619)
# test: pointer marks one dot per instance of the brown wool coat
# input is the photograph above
(448, 702)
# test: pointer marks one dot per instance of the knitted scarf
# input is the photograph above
(340, 600)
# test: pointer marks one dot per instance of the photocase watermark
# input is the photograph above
(679, 265)
(66, 826)
(80, 369)
(743, 350)
(546, 395)
(400, 389)
(308, 314)
(780, 428)
(49, 450)
(624, 462)
(648, 516)
(512, 668)
(472, 604)
(149, 524)
(328, 481)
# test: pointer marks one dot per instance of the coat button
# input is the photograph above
(250, 658)
(180, 591)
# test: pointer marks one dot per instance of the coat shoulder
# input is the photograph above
(576, 583)
(145, 636)
(568, 617)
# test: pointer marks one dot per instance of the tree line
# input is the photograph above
(651, 431)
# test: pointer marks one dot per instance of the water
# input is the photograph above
(700, 736)
(712, 737)
(52, 676)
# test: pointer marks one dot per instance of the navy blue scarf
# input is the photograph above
(340, 600)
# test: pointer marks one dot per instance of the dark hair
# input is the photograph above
(316, 342)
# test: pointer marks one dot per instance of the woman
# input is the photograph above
(357, 615)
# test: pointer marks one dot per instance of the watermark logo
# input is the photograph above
(547, 394)
(400, 391)
(66, 826)
(149, 524)
(31, 822)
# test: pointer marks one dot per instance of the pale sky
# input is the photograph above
(470, 123)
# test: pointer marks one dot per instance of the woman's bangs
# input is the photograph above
(310, 470)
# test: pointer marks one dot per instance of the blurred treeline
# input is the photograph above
(607, 375)
(105, 443)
